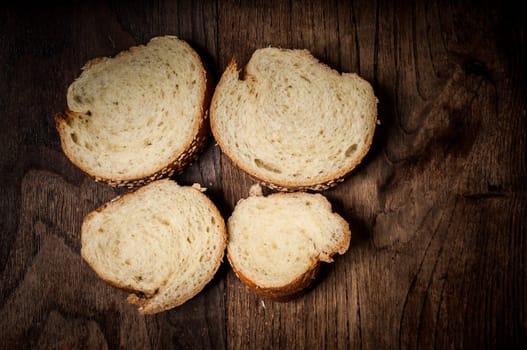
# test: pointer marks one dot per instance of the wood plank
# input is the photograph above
(438, 207)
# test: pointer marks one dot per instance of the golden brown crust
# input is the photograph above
(181, 159)
(177, 165)
(98, 60)
(286, 186)
(285, 292)
(282, 293)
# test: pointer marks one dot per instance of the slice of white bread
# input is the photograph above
(163, 242)
(292, 122)
(275, 243)
(139, 116)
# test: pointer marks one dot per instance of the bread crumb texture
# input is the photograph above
(291, 121)
(133, 116)
(273, 241)
(164, 242)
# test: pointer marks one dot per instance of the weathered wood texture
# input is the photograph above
(438, 209)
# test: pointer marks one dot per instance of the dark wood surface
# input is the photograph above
(437, 209)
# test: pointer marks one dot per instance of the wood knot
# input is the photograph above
(476, 67)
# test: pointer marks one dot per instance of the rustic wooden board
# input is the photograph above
(437, 209)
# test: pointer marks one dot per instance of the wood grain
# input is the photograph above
(437, 209)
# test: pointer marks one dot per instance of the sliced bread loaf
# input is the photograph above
(163, 242)
(292, 122)
(275, 243)
(138, 116)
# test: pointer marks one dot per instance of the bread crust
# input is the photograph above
(320, 184)
(285, 292)
(141, 298)
(300, 283)
(181, 158)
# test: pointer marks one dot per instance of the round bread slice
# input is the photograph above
(163, 242)
(275, 243)
(139, 116)
(292, 122)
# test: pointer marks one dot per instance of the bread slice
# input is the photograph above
(139, 116)
(163, 242)
(292, 122)
(275, 243)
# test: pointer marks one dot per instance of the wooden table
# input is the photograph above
(437, 209)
